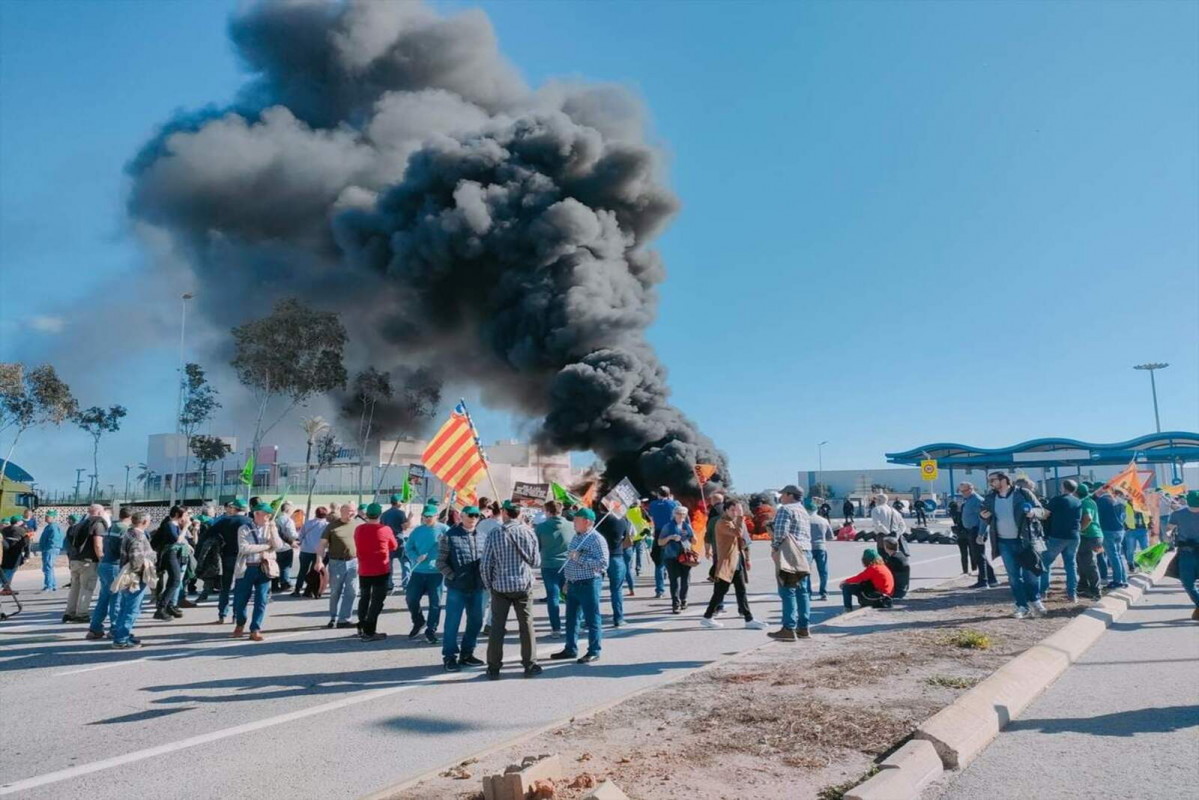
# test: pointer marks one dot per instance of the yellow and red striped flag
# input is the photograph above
(453, 454)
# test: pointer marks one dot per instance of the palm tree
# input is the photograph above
(144, 475)
(314, 428)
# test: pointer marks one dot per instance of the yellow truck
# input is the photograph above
(16, 493)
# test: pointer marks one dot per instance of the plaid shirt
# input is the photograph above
(791, 520)
(509, 558)
(593, 557)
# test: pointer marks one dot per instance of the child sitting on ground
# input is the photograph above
(872, 586)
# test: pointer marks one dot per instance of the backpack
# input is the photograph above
(162, 537)
(77, 539)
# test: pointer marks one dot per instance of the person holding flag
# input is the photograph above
(586, 565)
(397, 519)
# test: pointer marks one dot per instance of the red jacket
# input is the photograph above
(879, 576)
(374, 543)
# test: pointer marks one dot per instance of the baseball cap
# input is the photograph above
(792, 490)
(1193, 498)
(395, 498)
(471, 511)
(586, 513)
(52, 513)
(429, 510)
(240, 504)
(374, 510)
(508, 505)
(263, 508)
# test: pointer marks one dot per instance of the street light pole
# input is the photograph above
(127, 468)
(183, 298)
(1151, 368)
(820, 465)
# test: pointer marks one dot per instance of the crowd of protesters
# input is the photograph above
(485, 560)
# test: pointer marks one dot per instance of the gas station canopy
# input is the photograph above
(1170, 447)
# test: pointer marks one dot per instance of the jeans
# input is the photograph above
(1134, 542)
(1088, 569)
(967, 554)
(1188, 571)
(174, 570)
(616, 575)
(284, 558)
(554, 581)
(638, 550)
(1026, 588)
(405, 567)
(820, 559)
(797, 601)
(49, 581)
(721, 589)
(106, 602)
(522, 604)
(680, 581)
(584, 596)
(83, 584)
(1113, 548)
(419, 585)
(628, 568)
(866, 594)
(129, 608)
(228, 565)
(306, 562)
(372, 589)
(458, 602)
(1068, 550)
(253, 582)
(343, 588)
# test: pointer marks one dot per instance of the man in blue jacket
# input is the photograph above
(1111, 522)
(661, 511)
(973, 530)
(458, 557)
(50, 545)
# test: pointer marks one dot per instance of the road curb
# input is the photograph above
(959, 732)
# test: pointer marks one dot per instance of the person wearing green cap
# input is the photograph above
(226, 528)
(1090, 544)
(421, 549)
(553, 539)
(872, 586)
(458, 556)
(256, 566)
(586, 565)
(374, 543)
(509, 558)
(50, 545)
(1183, 524)
(397, 519)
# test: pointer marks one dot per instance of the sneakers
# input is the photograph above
(493, 674)
(1020, 612)
(533, 670)
(992, 584)
(710, 623)
(588, 658)
(431, 638)
(174, 612)
(185, 603)
(346, 624)
(783, 635)
(255, 636)
(330, 624)
(755, 624)
(126, 645)
(416, 629)
(374, 637)
(470, 661)
(979, 585)
(802, 633)
(161, 614)
(452, 665)
(562, 655)
(94, 636)
(683, 604)
(1038, 609)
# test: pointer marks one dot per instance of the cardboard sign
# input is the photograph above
(416, 471)
(535, 492)
(622, 497)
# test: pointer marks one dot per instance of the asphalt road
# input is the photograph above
(193, 708)
(1122, 722)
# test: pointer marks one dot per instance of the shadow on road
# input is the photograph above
(1121, 723)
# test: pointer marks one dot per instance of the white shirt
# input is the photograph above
(888, 520)
(310, 534)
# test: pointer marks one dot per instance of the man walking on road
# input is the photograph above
(586, 564)
(1065, 516)
(458, 560)
(1111, 522)
(821, 532)
(106, 572)
(615, 531)
(85, 546)
(791, 548)
(507, 568)
(1090, 543)
(1184, 524)
(137, 555)
(1004, 508)
(397, 519)
(661, 512)
(228, 528)
(847, 510)
(553, 539)
(50, 545)
(972, 524)
(373, 545)
(337, 541)
(421, 549)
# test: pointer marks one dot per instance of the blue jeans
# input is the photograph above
(554, 581)
(1188, 571)
(797, 602)
(343, 588)
(1026, 588)
(253, 582)
(458, 602)
(1068, 550)
(616, 573)
(1135, 541)
(820, 558)
(638, 549)
(1113, 548)
(106, 601)
(129, 608)
(228, 565)
(8, 573)
(584, 597)
(405, 567)
(48, 559)
(628, 569)
(419, 585)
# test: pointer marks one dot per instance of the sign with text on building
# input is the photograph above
(928, 469)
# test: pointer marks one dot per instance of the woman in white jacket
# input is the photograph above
(256, 567)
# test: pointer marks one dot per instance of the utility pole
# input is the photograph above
(78, 481)
(127, 468)
(820, 465)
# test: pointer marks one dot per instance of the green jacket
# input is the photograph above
(553, 537)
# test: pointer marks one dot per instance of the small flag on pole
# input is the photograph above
(453, 454)
(704, 472)
(563, 496)
(247, 474)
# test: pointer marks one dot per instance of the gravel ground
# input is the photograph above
(785, 720)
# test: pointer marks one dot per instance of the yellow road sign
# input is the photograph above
(928, 469)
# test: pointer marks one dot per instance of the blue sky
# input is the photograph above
(901, 222)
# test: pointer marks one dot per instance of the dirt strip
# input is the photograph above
(804, 720)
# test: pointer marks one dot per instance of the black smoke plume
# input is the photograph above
(389, 163)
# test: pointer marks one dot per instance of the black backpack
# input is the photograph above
(162, 537)
(77, 539)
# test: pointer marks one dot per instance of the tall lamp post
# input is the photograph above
(183, 298)
(1151, 368)
(820, 464)
(127, 468)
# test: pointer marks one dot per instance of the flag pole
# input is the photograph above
(475, 433)
(387, 466)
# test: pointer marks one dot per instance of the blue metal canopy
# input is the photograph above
(15, 473)
(1169, 447)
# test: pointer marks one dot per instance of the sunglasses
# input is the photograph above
(474, 516)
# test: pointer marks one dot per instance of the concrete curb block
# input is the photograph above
(903, 775)
(960, 731)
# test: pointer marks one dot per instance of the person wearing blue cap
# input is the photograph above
(458, 555)
(227, 528)
(586, 566)
(421, 549)
(256, 566)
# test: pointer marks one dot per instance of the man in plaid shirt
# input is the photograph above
(509, 558)
(586, 566)
(791, 522)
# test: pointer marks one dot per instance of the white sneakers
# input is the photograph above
(1020, 612)
(710, 623)
(1038, 609)
(756, 625)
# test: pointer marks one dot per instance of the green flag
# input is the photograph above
(1150, 558)
(406, 490)
(563, 496)
(247, 474)
(278, 501)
